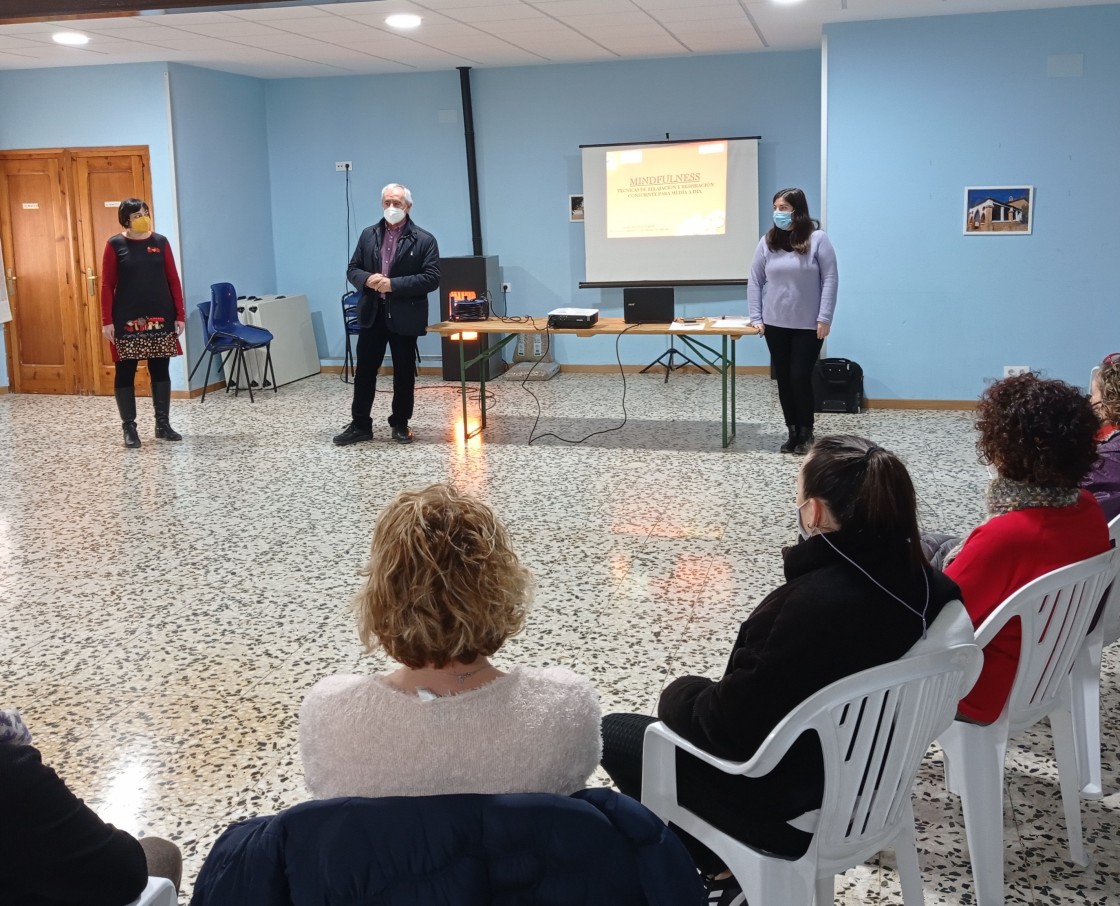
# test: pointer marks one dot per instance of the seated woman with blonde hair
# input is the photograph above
(444, 592)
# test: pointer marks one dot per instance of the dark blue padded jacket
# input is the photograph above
(594, 847)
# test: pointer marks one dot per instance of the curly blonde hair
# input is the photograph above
(1108, 387)
(443, 582)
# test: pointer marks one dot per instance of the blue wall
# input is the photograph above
(918, 109)
(73, 108)
(921, 108)
(532, 120)
(255, 165)
(530, 123)
(401, 128)
(222, 179)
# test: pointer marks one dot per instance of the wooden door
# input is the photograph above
(102, 180)
(57, 209)
(44, 337)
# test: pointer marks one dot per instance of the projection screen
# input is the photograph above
(670, 213)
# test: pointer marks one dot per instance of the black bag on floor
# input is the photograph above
(837, 386)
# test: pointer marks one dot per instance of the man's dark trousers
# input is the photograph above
(372, 341)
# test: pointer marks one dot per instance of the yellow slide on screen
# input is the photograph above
(672, 190)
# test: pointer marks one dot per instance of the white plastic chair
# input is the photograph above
(1086, 683)
(1054, 612)
(874, 727)
(159, 892)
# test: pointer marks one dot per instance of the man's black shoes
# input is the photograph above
(353, 434)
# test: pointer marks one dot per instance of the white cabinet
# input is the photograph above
(294, 354)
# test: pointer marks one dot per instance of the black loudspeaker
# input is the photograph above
(466, 274)
(648, 304)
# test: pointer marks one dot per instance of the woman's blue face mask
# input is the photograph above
(783, 220)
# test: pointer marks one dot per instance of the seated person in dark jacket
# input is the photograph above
(1103, 480)
(858, 593)
(54, 850)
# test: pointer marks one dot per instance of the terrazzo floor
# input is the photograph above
(163, 610)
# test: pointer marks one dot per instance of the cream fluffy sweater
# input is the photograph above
(535, 730)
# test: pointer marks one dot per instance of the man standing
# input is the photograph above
(395, 265)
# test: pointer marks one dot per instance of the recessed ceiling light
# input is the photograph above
(403, 20)
(70, 37)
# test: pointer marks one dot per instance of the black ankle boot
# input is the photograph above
(791, 442)
(126, 406)
(161, 402)
(804, 440)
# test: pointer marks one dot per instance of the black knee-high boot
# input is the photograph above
(791, 442)
(161, 402)
(126, 406)
(805, 440)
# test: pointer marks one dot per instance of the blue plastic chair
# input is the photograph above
(350, 323)
(225, 334)
(214, 346)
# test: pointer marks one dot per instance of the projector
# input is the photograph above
(573, 317)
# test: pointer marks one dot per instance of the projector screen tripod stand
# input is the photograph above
(667, 360)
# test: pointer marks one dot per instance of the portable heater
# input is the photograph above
(466, 306)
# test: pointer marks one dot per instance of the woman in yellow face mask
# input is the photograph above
(142, 314)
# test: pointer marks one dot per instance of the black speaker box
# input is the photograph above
(479, 274)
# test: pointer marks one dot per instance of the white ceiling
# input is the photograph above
(349, 38)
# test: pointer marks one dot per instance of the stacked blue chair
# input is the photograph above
(225, 334)
(351, 326)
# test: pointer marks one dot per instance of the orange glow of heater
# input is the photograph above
(466, 336)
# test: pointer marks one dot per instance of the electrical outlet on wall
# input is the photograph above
(341, 166)
(506, 287)
(1015, 370)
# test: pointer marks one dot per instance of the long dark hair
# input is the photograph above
(797, 239)
(867, 489)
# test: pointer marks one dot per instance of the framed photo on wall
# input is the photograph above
(998, 210)
(575, 208)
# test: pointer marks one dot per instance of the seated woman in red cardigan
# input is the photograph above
(1040, 438)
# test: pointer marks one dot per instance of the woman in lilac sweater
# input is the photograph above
(792, 294)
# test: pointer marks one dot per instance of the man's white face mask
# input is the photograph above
(394, 215)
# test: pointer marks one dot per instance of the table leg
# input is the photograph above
(723, 379)
(463, 388)
(483, 367)
(734, 417)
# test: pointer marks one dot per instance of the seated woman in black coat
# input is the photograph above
(54, 849)
(858, 593)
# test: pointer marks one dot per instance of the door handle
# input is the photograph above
(91, 279)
